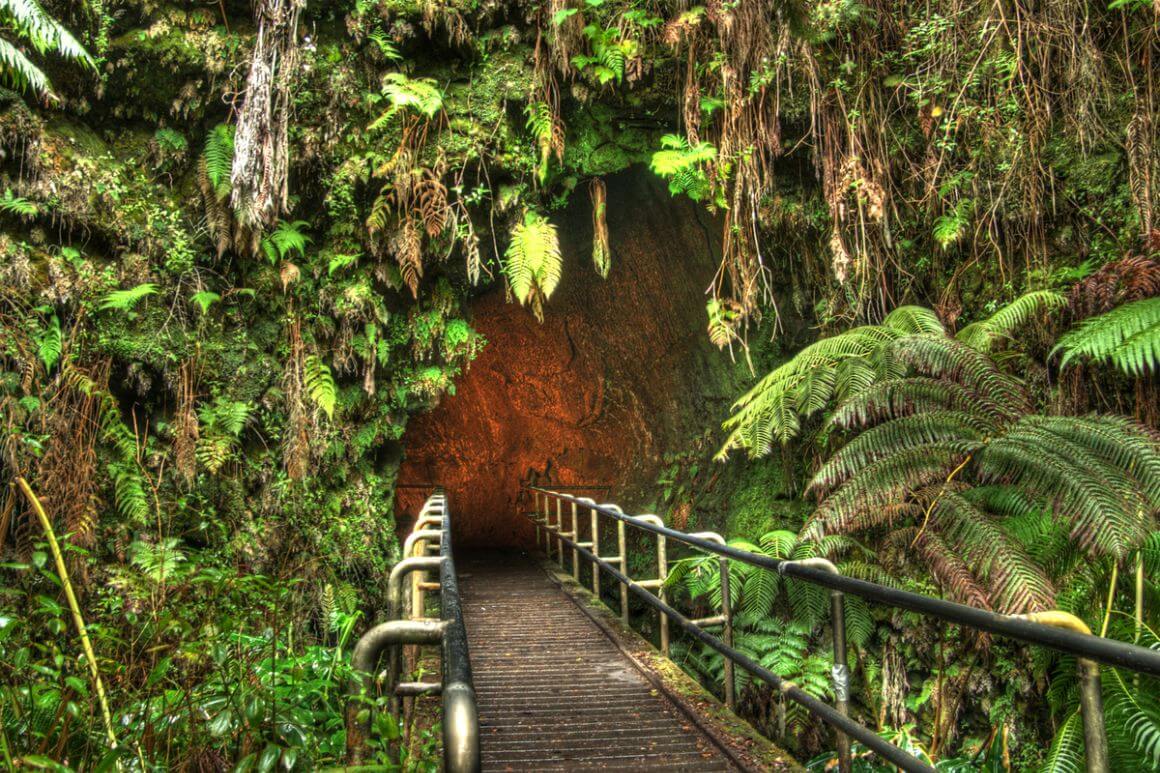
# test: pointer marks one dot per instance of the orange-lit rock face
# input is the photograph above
(617, 374)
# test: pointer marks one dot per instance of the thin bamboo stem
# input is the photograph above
(78, 620)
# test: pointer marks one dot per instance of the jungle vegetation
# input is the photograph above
(239, 243)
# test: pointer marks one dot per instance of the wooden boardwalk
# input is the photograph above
(555, 693)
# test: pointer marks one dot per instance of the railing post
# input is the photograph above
(662, 594)
(840, 674)
(547, 528)
(622, 541)
(595, 552)
(727, 632)
(575, 550)
(1091, 699)
(559, 530)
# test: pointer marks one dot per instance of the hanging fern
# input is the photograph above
(287, 241)
(533, 262)
(18, 206)
(403, 94)
(127, 300)
(684, 165)
(601, 254)
(1127, 337)
(218, 158)
(50, 343)
(320, 385)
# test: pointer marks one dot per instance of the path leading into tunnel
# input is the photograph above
(554, 692)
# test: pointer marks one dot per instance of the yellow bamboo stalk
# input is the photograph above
(78, 620)
(1111, 598)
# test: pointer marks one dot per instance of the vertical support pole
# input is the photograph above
(595, 552)
(662, 594)
(841, 675)
(559, 529)
(1091, 703)
(547, 530)
(1091, 700)
(575, 551)
(622, 541)
(536, 517)
(727, 633)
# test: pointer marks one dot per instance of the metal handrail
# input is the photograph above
(1057, 631)
(411, 626)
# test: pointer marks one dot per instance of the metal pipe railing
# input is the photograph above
(412, 626)
(1044, 629)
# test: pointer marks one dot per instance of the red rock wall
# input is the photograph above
(619, 372)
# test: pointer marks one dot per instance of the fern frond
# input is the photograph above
(533, 260)
(127, 300)
(320, 384)
(983, 335)
(914, 320)
(1126, 336)
(894, 436)
(1066, 754)
(218, 156)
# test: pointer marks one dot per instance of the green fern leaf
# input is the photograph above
(218, 155)
(320, 385)
(127, 300)
(1128, 337)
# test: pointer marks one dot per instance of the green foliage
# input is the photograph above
(1127, 337)
(842, 365)
(610, 53)
(532, 262)
(204, 299)
(542, 125)
(127, 300)
(286, 241)
(320, 385)
(18, 206)
(683, 165)
(950, 419)
(403, 94)
(50, 343)
(1011, 318)
(34, 26)
(218, 156)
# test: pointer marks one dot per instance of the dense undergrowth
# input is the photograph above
(237, 247)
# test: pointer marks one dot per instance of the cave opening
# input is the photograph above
(619, 372)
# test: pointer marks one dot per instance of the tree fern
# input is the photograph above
(533, 262)
(835, 368)
(32, 24)
(955, 421)
(1066, 754)
(1003, 323)
(1127, 337)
